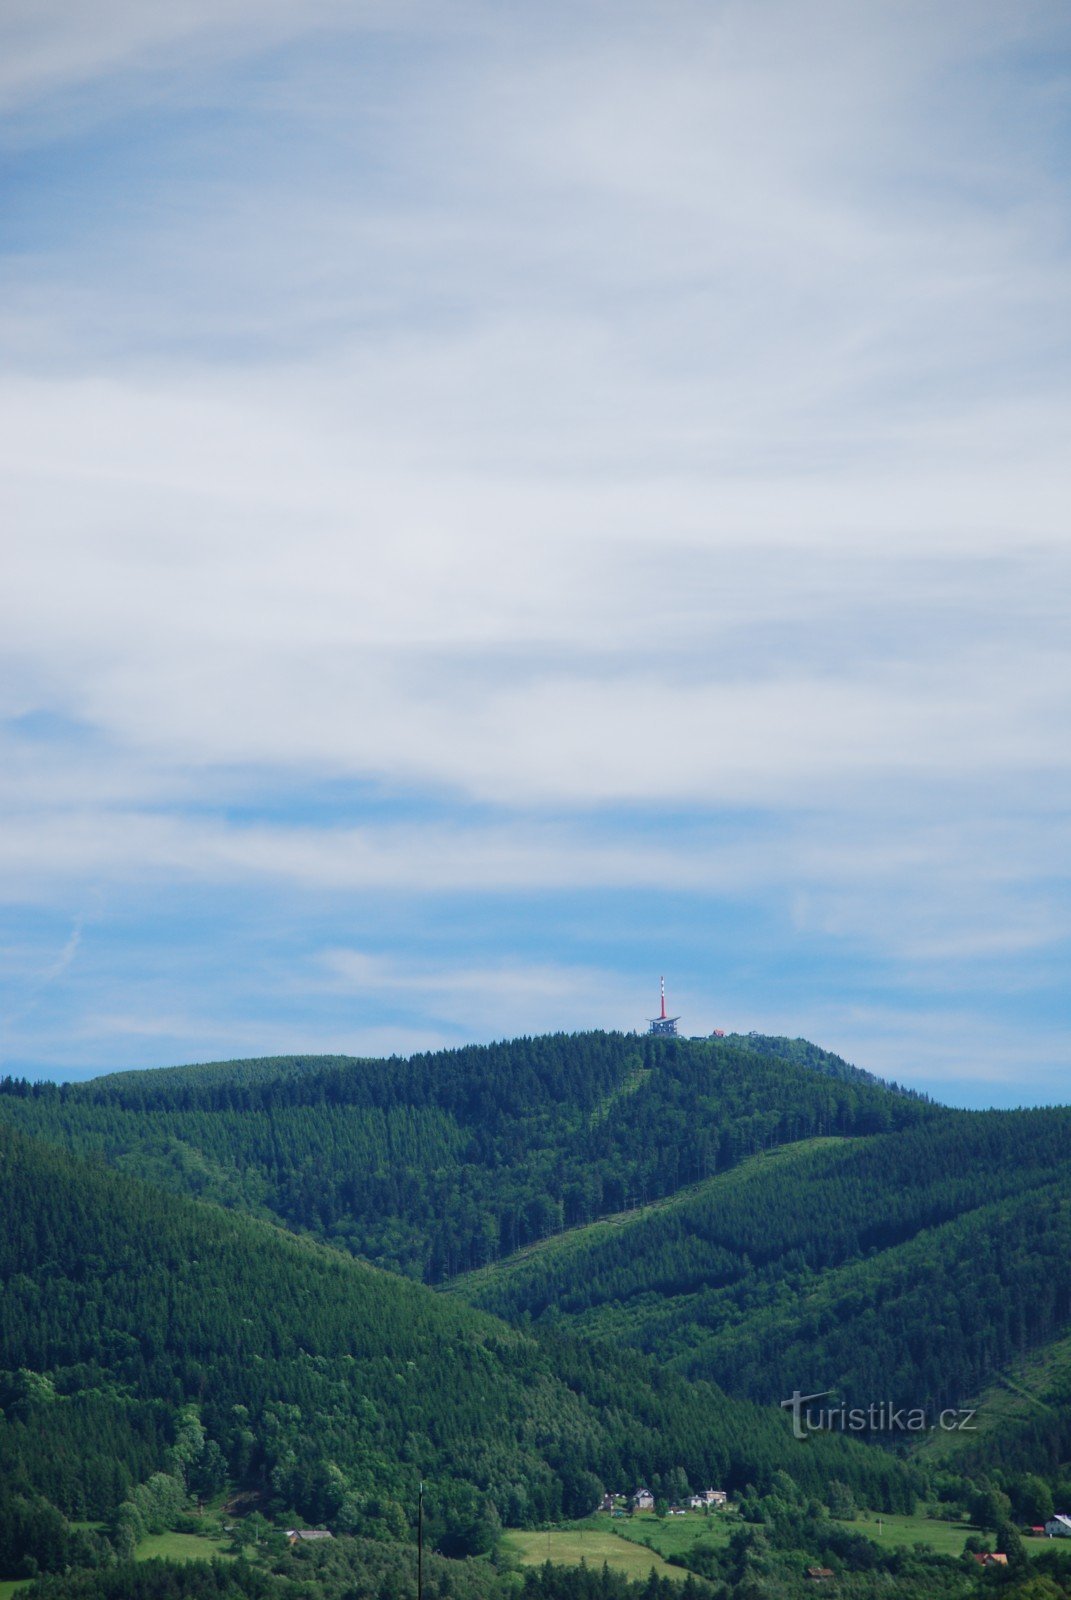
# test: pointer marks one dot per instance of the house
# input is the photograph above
(819, 1574)
(1038, 1530)
(643, 1500)
(991, 1558)
(294, 1534)
(1059, 1526)
(709, 1497)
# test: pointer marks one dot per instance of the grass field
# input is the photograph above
(676, 1535)
(888, 1530)
(673, 1536)
(180, 1547)
(635, 1544)
(568, 1547)
(10, 1586)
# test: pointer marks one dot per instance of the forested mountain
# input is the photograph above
(912, 1266)
(1022, 1417)
(751, 1210)
(654, 1221)
(805, 1054)
(148, 1339)
(442, 1163)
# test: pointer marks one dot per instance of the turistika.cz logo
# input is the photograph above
(881, 1416)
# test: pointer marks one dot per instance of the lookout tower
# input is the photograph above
(663, 1026)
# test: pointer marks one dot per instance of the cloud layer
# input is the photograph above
(476, 467)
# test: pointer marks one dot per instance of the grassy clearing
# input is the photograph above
(628, 1085)
(888, 1530)
(675, 1536)
(181, 1547)
(568, 1547)
(10, 1586)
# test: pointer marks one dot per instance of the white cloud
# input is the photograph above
(55, 45)
(492, 999)
(573, 415)
(210, 587)
(962, 1057)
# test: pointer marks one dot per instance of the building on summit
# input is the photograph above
(663, 1026)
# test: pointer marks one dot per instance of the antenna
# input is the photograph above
(663, 1024)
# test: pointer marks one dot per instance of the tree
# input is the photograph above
(1010, 1542)
(990, 1508)
(841, 1501)
(1032, 1498)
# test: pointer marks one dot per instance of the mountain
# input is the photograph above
(752, 1210)
(913, 1266)
(659, 1222)
(150, 1343)
(445, 1162)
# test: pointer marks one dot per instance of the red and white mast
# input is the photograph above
(663, 1024)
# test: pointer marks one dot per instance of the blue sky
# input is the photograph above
(501, 503)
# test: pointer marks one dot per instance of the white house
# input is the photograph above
(1059, 1527)
(709, 1497)
(643, 1500)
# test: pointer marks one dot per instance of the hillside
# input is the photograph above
(913, 1266)
(443, 1163)
(753, 1211)
(142, 1333)
(1022, 1417)
(802, 1053)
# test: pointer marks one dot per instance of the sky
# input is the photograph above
(500, 503)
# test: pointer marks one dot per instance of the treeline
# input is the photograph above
(353, 1569)
(768, 1561)
(443, 1163)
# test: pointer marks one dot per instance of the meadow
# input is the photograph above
(592, 1544)
(181, 1547)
